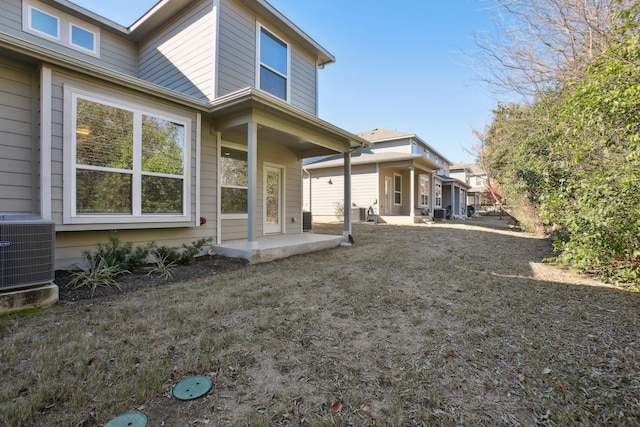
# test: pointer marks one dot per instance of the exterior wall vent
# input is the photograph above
(27, 245)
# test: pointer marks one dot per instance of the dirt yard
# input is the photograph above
(457, 323)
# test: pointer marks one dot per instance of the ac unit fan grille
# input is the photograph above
(26, 253)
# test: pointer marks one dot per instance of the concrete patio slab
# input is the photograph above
(269, 248)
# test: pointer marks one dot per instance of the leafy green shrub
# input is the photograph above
(120, 254)
(184, 256)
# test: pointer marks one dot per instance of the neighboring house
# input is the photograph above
(191, 123)
(475, 177)
(399, 178)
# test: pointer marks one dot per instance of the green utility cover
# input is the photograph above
(132, 419)
(192, 388)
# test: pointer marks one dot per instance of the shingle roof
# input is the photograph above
(380, 134)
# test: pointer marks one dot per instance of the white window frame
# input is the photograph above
(396, 190)
(91, 51)
(220, 155)
(438, 198)
(29, 24)
(426, 194)
(65, 25)
(259, 64)
(70, 216)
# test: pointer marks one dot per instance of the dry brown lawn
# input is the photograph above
(446, 324)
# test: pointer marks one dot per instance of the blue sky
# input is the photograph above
(403, 67)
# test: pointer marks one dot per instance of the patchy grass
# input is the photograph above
(440, 325)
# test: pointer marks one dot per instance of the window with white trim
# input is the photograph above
(397, 189)
(125, 163)
(49, 23)
(424, 191)
(43, 23)
(273, 61)
(438, 201)
(234, 180)
(82, 38)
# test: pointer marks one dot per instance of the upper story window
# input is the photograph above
(49, 23)
(84, 39)
(44, 23)
(273, 61)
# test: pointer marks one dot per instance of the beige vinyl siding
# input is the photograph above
(18, 152)
(363, 186)
(237, 48)
(209, 178)
(70, 246)
(180, 56)
(400, 146)
(326, 197)
(234, 229)
(303, 81)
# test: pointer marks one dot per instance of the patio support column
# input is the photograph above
(453, 200)
(412, 191)
(252, 176)
(347, 194)
(432, 194)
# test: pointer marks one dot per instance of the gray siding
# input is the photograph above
(303, 81)
(116, 52)
(237, 48)
(70, 245)
(181, 55)
(18, 150)
(273, 154)
(237, 58)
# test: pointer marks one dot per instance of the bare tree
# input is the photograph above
(542, 44)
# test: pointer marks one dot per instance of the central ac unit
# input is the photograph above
(27, 245)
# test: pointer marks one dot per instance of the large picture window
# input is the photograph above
(234, 180)
(274, 65)
(126, 163)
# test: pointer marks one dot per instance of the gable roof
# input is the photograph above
(165, 10)
(380, 134)
(362, 158)
(385, 135)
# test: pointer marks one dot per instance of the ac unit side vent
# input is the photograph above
(26, 253)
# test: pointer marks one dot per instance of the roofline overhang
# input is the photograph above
(363, 160)
(248, 97)
(411, 136)
(164, 9)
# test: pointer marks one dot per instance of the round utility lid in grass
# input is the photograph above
(192, 388)
(132, 419)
